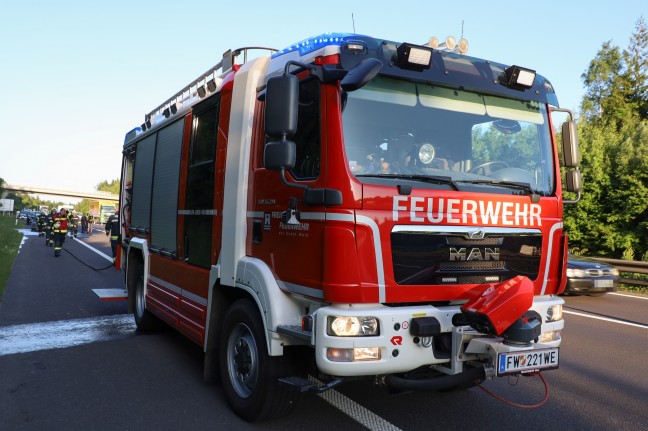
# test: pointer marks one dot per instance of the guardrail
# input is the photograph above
(633, 266)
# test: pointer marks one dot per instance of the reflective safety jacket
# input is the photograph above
(60, 224)
(112, 227)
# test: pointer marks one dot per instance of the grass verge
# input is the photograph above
(9, 242)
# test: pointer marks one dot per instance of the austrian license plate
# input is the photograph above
(527, 361)
(603, 283)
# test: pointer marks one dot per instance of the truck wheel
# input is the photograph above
(249, 375)
(144, 319)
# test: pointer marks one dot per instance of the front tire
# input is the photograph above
(249, 375)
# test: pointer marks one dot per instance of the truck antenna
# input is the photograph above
(462, 26)
(353, 21)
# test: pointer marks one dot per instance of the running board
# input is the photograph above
(111, 294)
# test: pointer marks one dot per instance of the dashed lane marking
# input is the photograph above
(627, 295)
(354, 410)
(606, 319)
(104, 255)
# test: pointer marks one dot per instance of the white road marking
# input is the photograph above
(104, 255)
(607, 319)
(627, 295)
(26, 233)
(354, 410)
(33, 337)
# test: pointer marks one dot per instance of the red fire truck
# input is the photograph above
(351, 206)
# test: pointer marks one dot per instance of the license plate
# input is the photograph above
(603, 283)
(527, 361)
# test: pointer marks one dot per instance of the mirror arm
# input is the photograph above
(578, 196)
(298, 64)
(282, 174)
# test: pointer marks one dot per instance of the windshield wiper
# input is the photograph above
(516, 184)
(423, 178)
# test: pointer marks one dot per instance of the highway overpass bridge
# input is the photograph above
(34, 190)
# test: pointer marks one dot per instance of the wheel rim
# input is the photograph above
(243, 360)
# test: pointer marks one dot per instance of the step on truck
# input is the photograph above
(352, 207)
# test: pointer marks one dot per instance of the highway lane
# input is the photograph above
(135, 381)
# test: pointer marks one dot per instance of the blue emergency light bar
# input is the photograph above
(314, 43)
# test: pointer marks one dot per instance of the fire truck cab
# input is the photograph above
(351, 206)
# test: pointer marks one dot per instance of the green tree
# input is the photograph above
(112, 186)
(2, 182)
(612, 217)
(636, 60)
(607, 90)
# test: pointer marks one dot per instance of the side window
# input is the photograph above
(307, 137)
(199, 197)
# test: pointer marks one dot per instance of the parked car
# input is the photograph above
(587, 276)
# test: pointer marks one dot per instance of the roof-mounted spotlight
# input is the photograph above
(463, 46)
(414, 57)
(174, 108)
(520, 77)
(433, 42)
(450, 43)
(202, 91)
(167, 113)
(143, 127)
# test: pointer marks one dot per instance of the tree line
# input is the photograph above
(611, 219)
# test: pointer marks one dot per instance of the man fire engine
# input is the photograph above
(385, 209)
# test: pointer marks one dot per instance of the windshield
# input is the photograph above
(395, 128)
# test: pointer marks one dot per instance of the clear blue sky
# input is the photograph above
(75, 76)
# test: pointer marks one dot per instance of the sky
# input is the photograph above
(75, 76)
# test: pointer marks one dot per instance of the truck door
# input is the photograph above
(286, 233)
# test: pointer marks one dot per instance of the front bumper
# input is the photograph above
(401, 352)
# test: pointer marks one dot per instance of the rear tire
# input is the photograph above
(144, 319)
(248, 374)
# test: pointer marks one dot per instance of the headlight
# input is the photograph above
(615, 271)
(352, 326)
(554, 313)
(575, 273)
(426, 153)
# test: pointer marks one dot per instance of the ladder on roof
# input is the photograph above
(206, 81)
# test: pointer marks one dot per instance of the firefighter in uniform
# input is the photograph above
(74, 224)
(112, 229)
(60, 231)
(41, 223)
(49, 221)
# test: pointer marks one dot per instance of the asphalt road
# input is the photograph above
(69, 361)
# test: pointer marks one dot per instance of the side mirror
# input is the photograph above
(280, 155)
(571, 155)
(281, 106)
(573, 181)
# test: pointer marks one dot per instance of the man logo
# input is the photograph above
(474, 254)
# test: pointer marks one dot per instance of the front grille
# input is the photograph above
(471, 266)
(422, 257)
(598, 272)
